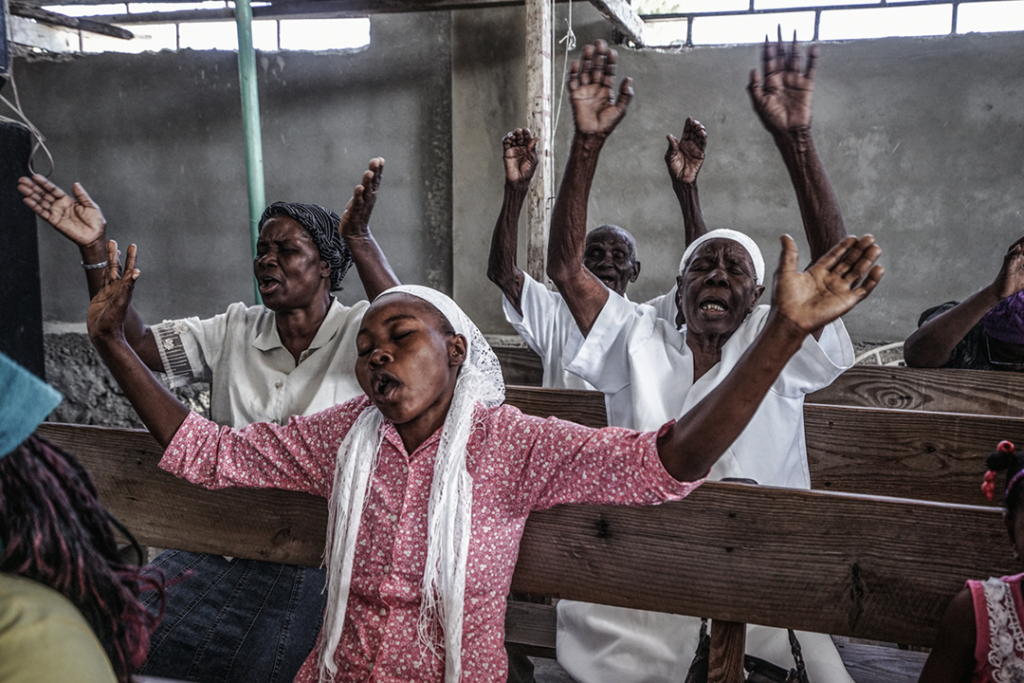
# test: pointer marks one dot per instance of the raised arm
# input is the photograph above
(932, 344)
(520, 155)
(783, 103)
(161, 412)
(684, 158)
(802, 301)
(372, 265)
(595, 113)
(81, 221)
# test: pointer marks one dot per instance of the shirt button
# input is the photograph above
(387, 569)
(278, 385)
(383, 612)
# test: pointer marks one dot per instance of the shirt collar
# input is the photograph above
(268, 337)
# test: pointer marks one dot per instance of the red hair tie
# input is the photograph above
(988, 487)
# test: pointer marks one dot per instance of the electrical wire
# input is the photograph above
(39, 141)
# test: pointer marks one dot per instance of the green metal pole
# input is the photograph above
(251, 122)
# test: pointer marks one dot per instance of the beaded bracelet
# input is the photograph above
(95, 266)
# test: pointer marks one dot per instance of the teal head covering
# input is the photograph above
(25, 401)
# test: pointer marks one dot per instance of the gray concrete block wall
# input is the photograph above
(157, 140)
(923, 139)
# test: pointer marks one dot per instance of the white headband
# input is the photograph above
(735, 236)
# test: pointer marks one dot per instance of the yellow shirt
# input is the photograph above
(45, 639)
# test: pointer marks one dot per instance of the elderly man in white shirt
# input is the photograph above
(651, 372)
(538, 314)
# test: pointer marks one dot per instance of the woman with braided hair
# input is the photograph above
(232, 620)
(69, 605)
(980, 638)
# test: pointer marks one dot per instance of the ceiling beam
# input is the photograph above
(299, 10)
(83, 24)
(624, 17)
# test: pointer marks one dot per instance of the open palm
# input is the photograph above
(829, 287)
(79, 218)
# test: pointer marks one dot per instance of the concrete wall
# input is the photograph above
(157, 139)
(922, 138)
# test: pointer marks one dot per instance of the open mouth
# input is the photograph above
(384, 386)
(713, 307)
(268, 284)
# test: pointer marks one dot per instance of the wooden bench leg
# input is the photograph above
(728, 644)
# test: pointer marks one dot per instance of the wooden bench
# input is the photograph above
(859, 566)
(874, 451)
(955, 391)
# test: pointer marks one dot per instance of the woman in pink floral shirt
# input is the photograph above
(431, 480)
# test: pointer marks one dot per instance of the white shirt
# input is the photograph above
(645, 369)
(545, 326)
(253, 377)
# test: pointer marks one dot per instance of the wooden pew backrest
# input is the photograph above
(866, 567)
(955, 391)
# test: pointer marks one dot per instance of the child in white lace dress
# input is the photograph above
(980, 638)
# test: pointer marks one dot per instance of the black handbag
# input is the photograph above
(758, 670)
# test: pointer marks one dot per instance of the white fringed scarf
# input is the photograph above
(449, 514)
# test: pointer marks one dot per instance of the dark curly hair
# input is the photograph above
(56, 532)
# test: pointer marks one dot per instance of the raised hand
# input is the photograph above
(783, 100)
(109, 307)
(1010, 279)
(829, 287)
(520, 157)
(595, 110)
(685, 156)
(355, 221)
(78, 219)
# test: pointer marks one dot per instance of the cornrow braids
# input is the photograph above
(1006, 459)
(56, 532)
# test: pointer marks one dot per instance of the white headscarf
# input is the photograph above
(735, 236)
(451, 499)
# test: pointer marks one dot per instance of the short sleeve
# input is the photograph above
(537, 323)
(296, 456)
(187, 347)
(602, 357)
(818, 362)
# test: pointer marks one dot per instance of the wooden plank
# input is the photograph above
(82, 24)
(539, 51)
(873, 568)
(623, 17)
(167, 512)
(954, 391)
(583, 407)
(728, 643)
(519, 365)
(903, 453)
(875, 664)
(530, 629)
